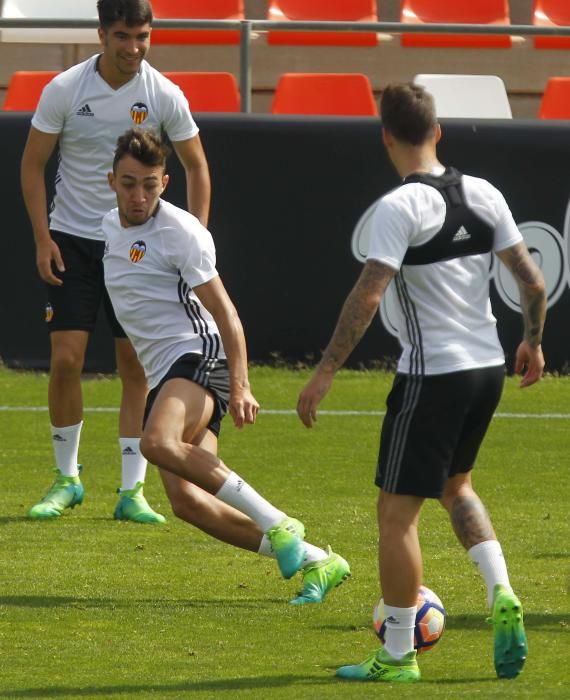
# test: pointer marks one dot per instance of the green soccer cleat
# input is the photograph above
(380, 666)
(65, 492)
(133, 506)
(321, 577)
(286, 540)
(511, 647)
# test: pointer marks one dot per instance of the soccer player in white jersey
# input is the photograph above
(160, 271)
(432, 239)
(83, 111)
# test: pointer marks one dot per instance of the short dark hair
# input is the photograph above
(143, 145)
(132, 12)
(408, 112)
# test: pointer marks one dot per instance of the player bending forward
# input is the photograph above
(160, 273)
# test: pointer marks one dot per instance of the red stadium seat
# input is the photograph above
(455, 12)
(324, 93)
(25, 88)
(208, 92)
(555, 102)
(197, 9)
(324, 11)
(551, 13)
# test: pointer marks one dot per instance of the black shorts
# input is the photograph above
(74, 305)
(213, 375)
(434, 427)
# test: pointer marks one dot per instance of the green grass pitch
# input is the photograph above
(93, 608)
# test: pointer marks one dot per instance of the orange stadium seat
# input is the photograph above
(551, 13)
(208, 92)
(324, 11)
(454, 12)
(25, 88)
(324, 93)
(197, 9)
(555, 102)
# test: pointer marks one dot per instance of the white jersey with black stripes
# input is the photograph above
(442, 309)
(150, 273)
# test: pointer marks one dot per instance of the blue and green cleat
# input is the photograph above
(511, 647)
(321, 577)
(65, 492)
(380, 666)
(286, 540)
(133, 506)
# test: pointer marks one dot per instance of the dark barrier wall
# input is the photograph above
(288, 193)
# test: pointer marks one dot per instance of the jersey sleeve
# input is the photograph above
(194, 255)
(507, 233)
(392, 229)
(49, 116)
(178, 121)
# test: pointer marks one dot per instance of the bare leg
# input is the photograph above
(64, 392)
(467, 513)
(134, 389)
(203, 510)
(181, 412)
(400, 555)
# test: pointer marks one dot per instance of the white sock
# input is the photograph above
(400, 625)
(489, 559)
(238, 493)
(133, 464)
(66, 447)
(312, 553)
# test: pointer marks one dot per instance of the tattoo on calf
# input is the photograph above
(470, 521)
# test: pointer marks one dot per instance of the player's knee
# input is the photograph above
(66, 361)
(154, 449)
(454, 489)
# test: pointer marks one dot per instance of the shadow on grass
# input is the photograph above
(159, 690)
(539, 621)
(31, 601)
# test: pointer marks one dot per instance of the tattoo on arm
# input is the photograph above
(530, 282)
(470, 521)
(357, 313)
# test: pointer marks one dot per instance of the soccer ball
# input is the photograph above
(430, 620)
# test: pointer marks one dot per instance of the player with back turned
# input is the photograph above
(432, 240)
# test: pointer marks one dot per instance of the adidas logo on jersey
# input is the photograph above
(85, 111)
(461, 235)
(129, 451)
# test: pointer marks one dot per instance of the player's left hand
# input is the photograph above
(311, 396)
(243, 408)
(529, 362)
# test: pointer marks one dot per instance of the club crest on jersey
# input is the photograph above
(139, 112)
(137, 251)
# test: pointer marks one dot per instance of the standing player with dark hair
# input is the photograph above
(432, 238)
(83, 111)
(160, 272)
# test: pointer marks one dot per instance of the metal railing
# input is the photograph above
(246, 27)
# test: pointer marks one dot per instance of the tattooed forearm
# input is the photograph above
(530, 282)
(470, 521)
(357, 313)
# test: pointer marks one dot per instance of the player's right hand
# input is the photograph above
(48, 255)
(243, 408)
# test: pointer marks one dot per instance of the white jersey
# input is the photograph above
(90, 116)
(443, 311)
(150, 271)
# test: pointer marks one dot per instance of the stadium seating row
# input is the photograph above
(545, 13)
(327, 93)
